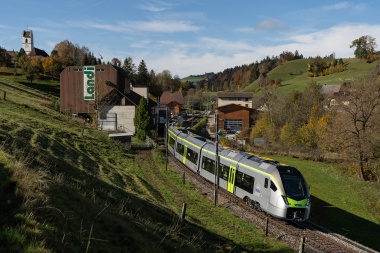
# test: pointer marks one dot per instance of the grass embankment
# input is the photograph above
(65, 188)
(341, 203)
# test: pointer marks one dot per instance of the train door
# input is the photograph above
(231, 179)
(184, 154)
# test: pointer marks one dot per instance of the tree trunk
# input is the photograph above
(361, 167)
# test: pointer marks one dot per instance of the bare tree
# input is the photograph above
(356, 125)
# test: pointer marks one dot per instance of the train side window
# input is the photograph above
(192, 156)
(266, 183)
(171, 141)
(244, 182)
(180, 148)
(208, 165)
(273, 186)
(223, 171)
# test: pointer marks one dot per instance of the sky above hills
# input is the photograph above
(190, 37)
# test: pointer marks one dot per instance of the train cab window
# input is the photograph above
(244, 181)
(208, 165)
(180, 148)
(223, 171)
(266, 182)
(273, 186)
(192, 155)
(171, 142)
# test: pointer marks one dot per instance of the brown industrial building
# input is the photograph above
(108, 82)
(105, 90)
(236, 117)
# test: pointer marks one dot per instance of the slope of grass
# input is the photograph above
(66, 188)
(294, 75)
(341, 203)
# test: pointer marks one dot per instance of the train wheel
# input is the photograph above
(248, 201)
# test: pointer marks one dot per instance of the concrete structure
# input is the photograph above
(27, 41)
(239, 98)
(28, 45)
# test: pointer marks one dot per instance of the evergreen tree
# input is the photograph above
(142, 74)
(143, 120)
(130, 68)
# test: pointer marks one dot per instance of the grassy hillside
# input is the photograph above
(69, 188)
(294, 75)
(341, 203)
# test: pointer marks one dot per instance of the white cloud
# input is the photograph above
(215, 55)
(338, 6)
(155, 6)
(271, 25)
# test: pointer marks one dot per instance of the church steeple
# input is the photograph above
(27, 41)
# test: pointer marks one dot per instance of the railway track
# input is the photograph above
(303, 236)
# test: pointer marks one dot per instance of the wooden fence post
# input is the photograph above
(302, 245)
(183, 212)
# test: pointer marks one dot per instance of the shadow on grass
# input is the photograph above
(341, 222)
(47, 88)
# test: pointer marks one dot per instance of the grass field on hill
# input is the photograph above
(65, 188)
(345, 205)
(294, 75)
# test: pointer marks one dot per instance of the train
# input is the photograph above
(276, 189)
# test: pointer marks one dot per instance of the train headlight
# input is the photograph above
(285, 199)
(308, 202)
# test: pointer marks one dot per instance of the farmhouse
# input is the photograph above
(103, 91)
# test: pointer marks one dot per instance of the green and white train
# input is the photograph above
(279, 190)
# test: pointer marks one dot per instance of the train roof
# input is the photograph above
(235, 156)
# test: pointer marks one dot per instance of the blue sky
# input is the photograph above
(189, 37)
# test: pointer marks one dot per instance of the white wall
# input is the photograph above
(125, 115)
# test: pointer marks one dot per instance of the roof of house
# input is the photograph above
(235, 94)
(330, 89)
(168, 97)
(240, 107)
(38, 52)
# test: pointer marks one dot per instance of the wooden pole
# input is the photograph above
(183, 212)
(266, 227)
(302, 245)
(216, 184)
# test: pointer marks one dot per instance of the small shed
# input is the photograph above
(124, 138)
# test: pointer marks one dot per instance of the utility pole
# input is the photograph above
(216, 184)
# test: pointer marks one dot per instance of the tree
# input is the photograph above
(364, 46)
(116, 62)
(130, 68)
(143, 120)
(52, 65)
(31, 66)
(5, 59)
(70, 54)
(142, 77)
(355, 128)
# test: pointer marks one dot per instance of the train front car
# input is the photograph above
(295, 194)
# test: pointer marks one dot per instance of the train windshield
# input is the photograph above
(294, 186)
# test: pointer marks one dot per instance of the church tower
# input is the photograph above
(27, 41)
